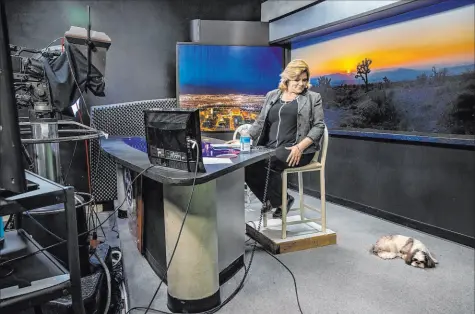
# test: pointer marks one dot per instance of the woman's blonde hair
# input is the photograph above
(292, 71)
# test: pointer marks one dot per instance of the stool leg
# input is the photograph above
(323, 201)
(301, 205)
(264, 216)
(284, 205)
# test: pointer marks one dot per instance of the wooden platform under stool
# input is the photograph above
(299, 237)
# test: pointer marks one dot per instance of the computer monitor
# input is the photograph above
(12, 173)
(170, 134)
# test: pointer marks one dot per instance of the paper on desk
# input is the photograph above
(216, 161)
(226, 145)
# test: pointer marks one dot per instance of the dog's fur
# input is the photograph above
(412, 251)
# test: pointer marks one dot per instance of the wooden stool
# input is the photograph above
(314, 165)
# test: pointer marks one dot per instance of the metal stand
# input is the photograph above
(46, 134)
(46, 156)
(14, 299)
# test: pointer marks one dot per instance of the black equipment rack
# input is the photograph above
(49, 279)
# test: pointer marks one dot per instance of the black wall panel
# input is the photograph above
(427, 187)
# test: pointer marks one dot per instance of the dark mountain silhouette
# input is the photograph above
(395, 75)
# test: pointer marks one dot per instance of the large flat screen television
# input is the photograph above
(227, 83)
(408, 74)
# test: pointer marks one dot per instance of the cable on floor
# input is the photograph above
(291, 274)
(109, 286)
(287, 268)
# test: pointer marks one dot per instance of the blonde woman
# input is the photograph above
(291, 121)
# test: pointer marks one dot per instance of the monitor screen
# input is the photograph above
(170, 134)
(12, 174)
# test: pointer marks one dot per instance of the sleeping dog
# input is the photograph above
(412, 251)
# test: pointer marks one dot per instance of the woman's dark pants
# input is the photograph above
(255, 176)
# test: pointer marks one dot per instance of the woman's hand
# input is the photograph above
(294, 156)
(243, 132)
(232, 142)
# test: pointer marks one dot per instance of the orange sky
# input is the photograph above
(446, 38)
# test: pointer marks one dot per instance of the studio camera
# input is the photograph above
(48, 81)
(47, 85)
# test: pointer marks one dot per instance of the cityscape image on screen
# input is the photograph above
(227, 83)
(413, 72)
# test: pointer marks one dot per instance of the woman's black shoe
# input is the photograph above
(278, 211)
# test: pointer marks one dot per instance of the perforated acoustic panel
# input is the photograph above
(126, 119)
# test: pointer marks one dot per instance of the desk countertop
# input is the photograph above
(137, 161)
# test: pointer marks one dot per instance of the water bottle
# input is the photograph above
(245, 141)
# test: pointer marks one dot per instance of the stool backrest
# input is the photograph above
(323, 148)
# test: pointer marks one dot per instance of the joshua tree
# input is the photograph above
(386, 81)
(324, 81)
(439, 75)
(362, 71)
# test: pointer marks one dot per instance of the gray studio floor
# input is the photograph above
(342, 278)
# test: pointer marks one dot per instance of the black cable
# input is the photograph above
(53, 42)
(95, 170)
(114, 224)
(70, 162)
(117, 278)
(291, 274)
(54, 235)
(113, 229)
(9, 221)
(92, 209)
(39, 224)
(8, 272)
(99, 221)
(86, 232)
(163, 312)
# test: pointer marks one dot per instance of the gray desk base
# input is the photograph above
(212, 243)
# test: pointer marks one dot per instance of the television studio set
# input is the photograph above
(241, 156)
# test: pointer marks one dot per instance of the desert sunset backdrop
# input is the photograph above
(410, 69)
